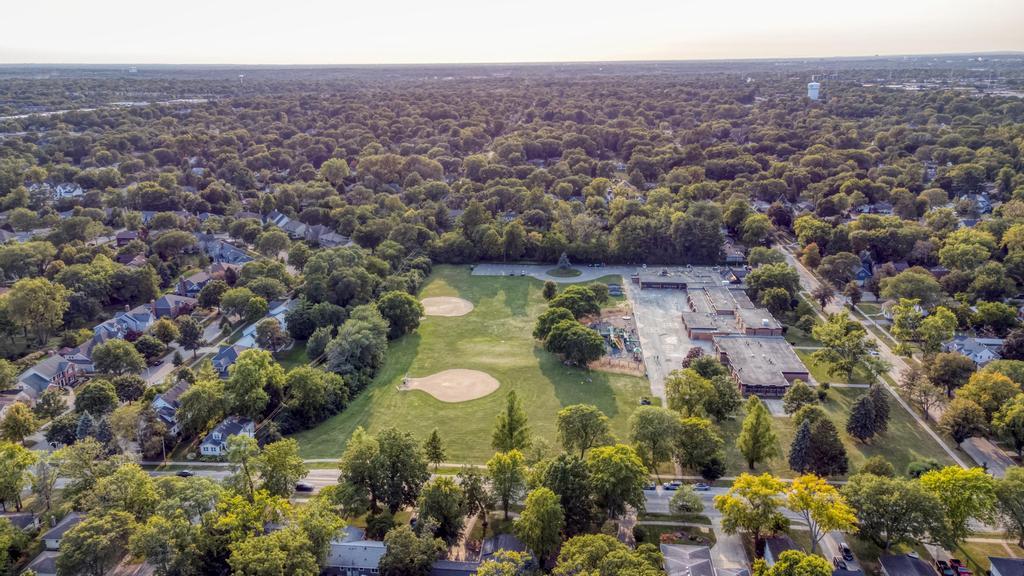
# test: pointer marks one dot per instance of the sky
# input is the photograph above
(466, 31)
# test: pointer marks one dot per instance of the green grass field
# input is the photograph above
(819, 371)
(495, 338)
(904, 442)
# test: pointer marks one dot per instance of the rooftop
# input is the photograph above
(761, 360)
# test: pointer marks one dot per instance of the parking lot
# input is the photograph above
(662, 335)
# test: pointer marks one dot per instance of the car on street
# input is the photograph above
(185, 473)
(846, 552)
(839, 563)
(673, 485)
(701, 487)
(303, 487)
(651, 486)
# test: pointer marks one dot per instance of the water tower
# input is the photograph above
(813, 88)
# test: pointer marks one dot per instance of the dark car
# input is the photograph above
(671, 485)
(303, 487)
(846, 552)
(185, 473)
(839, 563)
(944, 568)
(645, 401)
(651, 486)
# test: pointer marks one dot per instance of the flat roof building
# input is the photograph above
(762, 365)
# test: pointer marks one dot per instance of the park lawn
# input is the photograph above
(798, 337)
(819, 371)
(494, 338)
(870, 308)
(903, 443)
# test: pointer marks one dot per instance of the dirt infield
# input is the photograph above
(446, 306)
(457, 385)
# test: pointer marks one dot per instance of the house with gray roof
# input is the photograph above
(166, 405)
(216, 442)
(1006, 566)
(52, 371)
(53, 536)
(173, 305)
(684, 560)
(354, 557)
(905, 565)
(45, 564)
(226, 357)
(981, 351)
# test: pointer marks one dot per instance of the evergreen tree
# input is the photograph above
(510, 430)
(86, 426)
(800, 449)
(881, 405)
(757, 441)
(105, 433)
(550, 289)
(828, 455)
(861, 424)
(433, 449)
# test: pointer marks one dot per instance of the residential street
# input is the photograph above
(809, 282)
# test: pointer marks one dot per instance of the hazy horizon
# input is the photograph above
(317, 32)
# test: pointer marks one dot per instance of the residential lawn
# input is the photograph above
(294, 356)
(683, 534)
(870, 308)
(976, 554)
(819, 371)
(494, 338)
(904, 442)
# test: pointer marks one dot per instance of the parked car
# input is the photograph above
(846, 552)
(303, 487)
(944, 568)
(959, 567)
(701, 487)
(673, 485)
(645, 401)
(651, 486)
(839, 563)
(185, 473)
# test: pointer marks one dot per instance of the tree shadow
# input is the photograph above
(577, 386)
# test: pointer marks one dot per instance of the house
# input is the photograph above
(23, 521)
(980, 350)
(1006, 566)
(775, 546)
(495, 544)
(52, 371)
(67, 190)
(296, 230)
(905, 565)
(325, 237)
(191, 286)
(352, 555)
(278, 311)
(45, 564)
(684, 560)
(216, 442)
(166, 405)
(276, 218)
(226, 357)
(125, 236)
(172, 305)
(221, 251)
(53, 536)
(453, 568)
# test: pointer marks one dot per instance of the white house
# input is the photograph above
(54, 535)
(980, 350)
(216, 442)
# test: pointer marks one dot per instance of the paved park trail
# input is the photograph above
(898, 365)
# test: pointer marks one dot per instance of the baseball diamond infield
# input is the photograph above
(446, 306)
(456, 385)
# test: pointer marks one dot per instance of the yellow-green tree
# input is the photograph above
(821, 506)
(752, 505)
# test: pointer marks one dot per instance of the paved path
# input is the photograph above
(898, 365)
